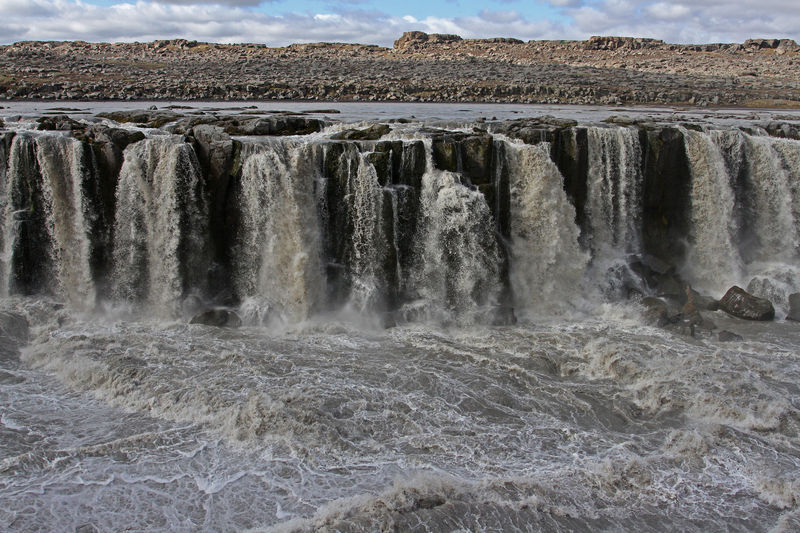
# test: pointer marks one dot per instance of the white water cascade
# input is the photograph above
(547, 264)
(277, 256)
(613, 206)
(43, 189)
(456, 276)
(16, 178)
(161, 227)
(713, 260)
(773, 167)
(64, 169)
(614, 191)
(774, 183)
(365, 209)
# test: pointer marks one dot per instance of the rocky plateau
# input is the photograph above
(419, 68)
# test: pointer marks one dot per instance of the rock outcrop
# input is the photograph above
(420, 68)
(741, 304)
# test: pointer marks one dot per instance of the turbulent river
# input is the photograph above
(443, 326)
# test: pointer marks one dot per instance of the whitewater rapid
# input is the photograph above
(592, 423)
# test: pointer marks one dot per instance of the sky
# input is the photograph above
(282, 22)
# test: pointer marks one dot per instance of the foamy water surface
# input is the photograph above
(589, 422)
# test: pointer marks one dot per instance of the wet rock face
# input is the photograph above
(741, 304)
(373, 133)
(147, 118)
(729, 336)
(656, 311)
(794, 307)
(58, 123)
(667, 185)
(468, 153)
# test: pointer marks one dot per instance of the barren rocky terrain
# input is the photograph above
(419, 68)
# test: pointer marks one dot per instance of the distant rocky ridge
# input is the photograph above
(419, 68)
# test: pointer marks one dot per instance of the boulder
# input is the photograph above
(741, 304)
(445, 153)
(274, 125)
(794, 307)
(656, 311)
(122, 137)
(373, 133)
(145, 117)
(534, 130)
(698, 302)
(672, 287)
(729, 336)
(219, 317)
(214, 148)
(697, 320)
(783, 130)
(415, 39)
(609, 42)
(58, 123)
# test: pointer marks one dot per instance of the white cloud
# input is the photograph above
(564, 3)
(27, 8)
(235, 21)
(684, 22)
(145, 21)
(502, 17)
(663, 10)
(243, 3)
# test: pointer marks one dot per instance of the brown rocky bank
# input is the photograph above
(419, 68)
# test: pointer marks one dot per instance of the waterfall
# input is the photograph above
(614, 191)
(355, 232)
(456, 258)
(613, 206)
(547, 264)
(28, 248)
(302, 226)
(394, 193)
(161, 226)
(7, 230)
(773, 181)
(64, 168)
(46, 235)
(277, 253)
(773, 169)
(365, 200)
(713, 261)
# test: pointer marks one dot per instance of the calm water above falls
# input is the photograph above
(518, 389)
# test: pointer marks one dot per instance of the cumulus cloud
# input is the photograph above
(241, 3)
(145, 21)
(500, 16)
(687, 22)
(27, 8)
(239, 21)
